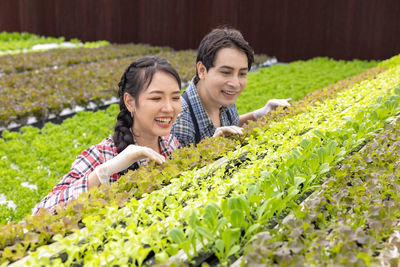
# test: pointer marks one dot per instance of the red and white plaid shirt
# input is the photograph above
(75, 181)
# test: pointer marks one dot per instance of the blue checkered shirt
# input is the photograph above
(183, 127)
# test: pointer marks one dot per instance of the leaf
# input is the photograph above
(298, 180)
(237, 219)
(233, 250)
(194, 220)
(252, 229)
(397, 90)
(365, 257)
(313, 162)
(290, 174)
(324, 168)
(305, 143)
(332, 147)
(211, 210)
(321, 152)
(162, 257)
(252, 190)
(177, 236)
(319, 134)
(221, 223)
(211, 215)
(234, 203)
(219, 245)
(205, 233)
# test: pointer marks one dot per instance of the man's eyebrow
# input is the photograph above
(229, 67)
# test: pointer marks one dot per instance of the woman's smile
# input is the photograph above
(164, 122)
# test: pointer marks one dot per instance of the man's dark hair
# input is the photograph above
(221, 38)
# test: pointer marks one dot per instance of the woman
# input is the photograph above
(149, 93)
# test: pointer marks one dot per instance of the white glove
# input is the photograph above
(123, 160)
(228, 130)
(271, 105)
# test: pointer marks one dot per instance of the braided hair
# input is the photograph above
(137, 77)
(221, 38)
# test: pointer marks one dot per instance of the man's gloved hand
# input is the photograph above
(123, 160)
(228, 130)
(271, 105)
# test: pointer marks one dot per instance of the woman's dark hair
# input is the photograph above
(135, 79)
(221, 38)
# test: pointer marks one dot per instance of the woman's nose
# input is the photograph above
(167, 106)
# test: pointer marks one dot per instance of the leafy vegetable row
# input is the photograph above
(296, 80)
(45, 91)
(245, 201)
(15, 42)
(33, 161)
(56, 58)
(350, 222)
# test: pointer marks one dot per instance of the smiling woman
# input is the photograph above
(155, 109)
(149, 93)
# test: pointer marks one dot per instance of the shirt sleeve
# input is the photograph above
(75, 181)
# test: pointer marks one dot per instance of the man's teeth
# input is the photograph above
(229, 93)
(163, 120)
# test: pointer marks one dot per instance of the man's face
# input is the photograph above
(225, 81)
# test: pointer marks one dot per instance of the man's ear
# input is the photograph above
(201, 70)
(129, 102)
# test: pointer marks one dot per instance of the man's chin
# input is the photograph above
(228, 104)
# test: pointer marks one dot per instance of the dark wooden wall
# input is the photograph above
(287, 29)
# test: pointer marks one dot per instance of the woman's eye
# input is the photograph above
(156, 98)
(225, 72)
(243, 74)
(176, 98)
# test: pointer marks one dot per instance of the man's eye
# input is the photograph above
(176, 98)
(243, 74)
(156, 98)
(225, 72)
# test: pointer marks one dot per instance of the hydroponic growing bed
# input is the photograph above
(323, 171)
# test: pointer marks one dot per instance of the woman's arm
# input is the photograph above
(76, 181)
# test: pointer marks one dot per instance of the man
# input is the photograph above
(208, 105)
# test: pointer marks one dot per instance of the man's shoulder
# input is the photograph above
(184, 114)
(184, 121)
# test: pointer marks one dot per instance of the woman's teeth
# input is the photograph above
(164, 120)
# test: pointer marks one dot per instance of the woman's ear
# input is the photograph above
(129, 102)
(201, 70)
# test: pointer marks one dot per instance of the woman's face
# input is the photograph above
(157, 107)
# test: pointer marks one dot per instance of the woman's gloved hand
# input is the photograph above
(271, 105)
(123, 160)
(228, 130)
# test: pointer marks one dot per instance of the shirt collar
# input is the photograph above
(204, 119)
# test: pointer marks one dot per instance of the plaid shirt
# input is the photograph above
(75, 181)
(183, 127)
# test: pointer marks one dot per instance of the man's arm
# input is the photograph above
(257, 114)
(245, 118)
